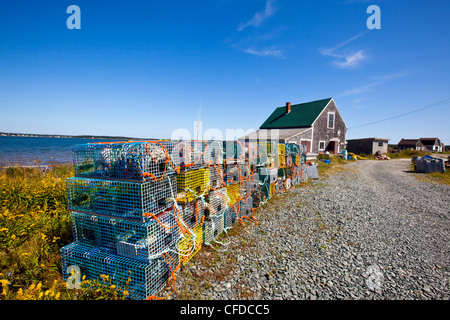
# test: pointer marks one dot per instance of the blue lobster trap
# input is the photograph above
(134, 160)
(123, 199)
(127, 238)
(140, 279)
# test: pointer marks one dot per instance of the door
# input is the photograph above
(333, 147)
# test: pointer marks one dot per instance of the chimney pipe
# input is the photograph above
(288, 107)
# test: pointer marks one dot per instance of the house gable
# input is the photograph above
(322, 132)
(301, 115)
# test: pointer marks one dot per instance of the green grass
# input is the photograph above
(407, 154)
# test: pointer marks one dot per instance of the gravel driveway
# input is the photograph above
(370, 231)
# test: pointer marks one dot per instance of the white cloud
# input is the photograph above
(351, 60)
(347, 60)
(265, 52)
(259, 17)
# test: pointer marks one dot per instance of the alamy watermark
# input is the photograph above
(74, 20)
(374, 21)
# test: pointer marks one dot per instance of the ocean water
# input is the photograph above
(38, 151)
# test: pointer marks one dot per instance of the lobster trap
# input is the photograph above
(213, 227)
(231, 216)
(292, 149)
(186, 154)
(121, 199)
(216, 176)
(251, 152)
(262, 157)
(281, 161)
(191, 214)
(138, 161)
(231, 173)
(218, 202)
(214, 154)
(192, 184)
(190, 244)
(281, 149)
(233, 152)
(253, 181)
(233, 193)
(127, 238)
(140, 279)
(279, 185)
(245, 207)
(267, 175)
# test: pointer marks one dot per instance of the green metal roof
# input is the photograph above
(301, 115)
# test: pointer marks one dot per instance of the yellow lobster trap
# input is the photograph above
(192, 184)
(190, 244)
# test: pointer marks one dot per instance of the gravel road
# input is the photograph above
(369, 231)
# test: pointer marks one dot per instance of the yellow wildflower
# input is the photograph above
(57, 296)
(4, 229)
(31, 287)
(104, 277)
(41, 294)
(113, 287)
(39, 285)
(125, 293)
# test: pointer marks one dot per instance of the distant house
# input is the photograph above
(414, 144)
(432, 144)
(368, 145)
(317, 125)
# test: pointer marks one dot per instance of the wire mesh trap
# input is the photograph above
(138, 161)
(140, 279)
(122, 199)
(127, 238)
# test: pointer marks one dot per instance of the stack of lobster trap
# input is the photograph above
(141, 209)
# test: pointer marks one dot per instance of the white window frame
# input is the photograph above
(328, 119)
(323, 149)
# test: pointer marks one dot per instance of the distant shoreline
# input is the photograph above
(8, 134)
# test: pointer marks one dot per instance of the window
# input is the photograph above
(321, 145)
(380, 144)
(330, 120)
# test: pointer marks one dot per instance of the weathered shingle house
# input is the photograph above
(317, 125)
(432, 144)
(414, 144)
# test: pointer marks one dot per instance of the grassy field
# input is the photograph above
(34, 225)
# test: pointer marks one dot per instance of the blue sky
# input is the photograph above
(144, 68)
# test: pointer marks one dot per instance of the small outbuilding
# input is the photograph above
(368, 146)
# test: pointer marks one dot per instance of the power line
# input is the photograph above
(403, 114)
